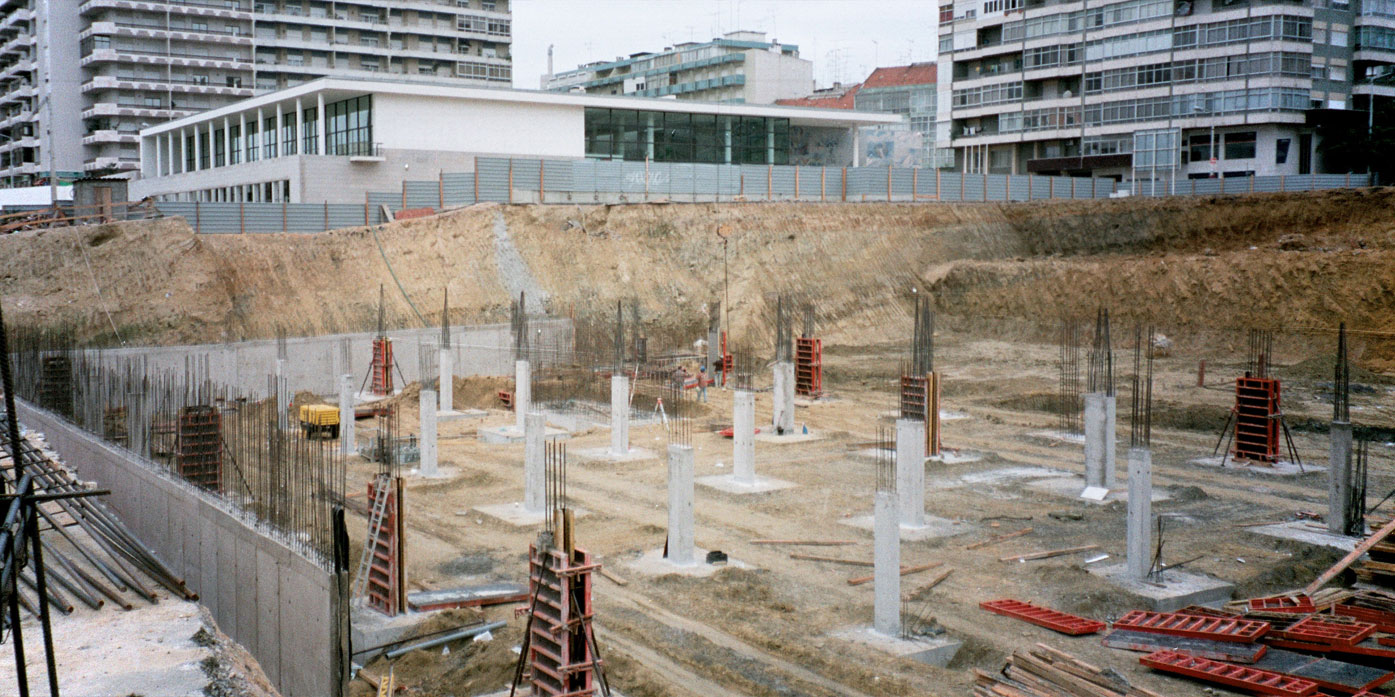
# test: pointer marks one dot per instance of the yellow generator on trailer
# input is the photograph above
(319, 420)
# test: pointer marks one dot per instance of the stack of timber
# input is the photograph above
(1379, 570)
(1048, 672)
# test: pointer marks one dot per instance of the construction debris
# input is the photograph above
(1047, 672)
(1048, 554)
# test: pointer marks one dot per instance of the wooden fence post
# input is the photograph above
(441, 187)
(542, 180)
(404, 192)
(1222, 184)
(510, 180)
(242, 217)
(845, 185)
(477, 180)
(796, 182)
(326, 217)
(985, 186)
(198, 224)
(1072, 187)
(915, 184)
(1348, 179)
(1029, 187)
(937, 183)
(285, 226)
(770, 182)
(823, 184)
(365, 209)
(1281, 183)
(1252, 182)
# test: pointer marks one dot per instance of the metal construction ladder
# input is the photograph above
(381, 491)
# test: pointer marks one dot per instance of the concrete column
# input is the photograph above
(680, 504)
(427, 404)
(447, 386)
(714, 352)
(534, 465)
(620, 416)
(743, 436)
(1140, 523)
(299, 127)
(1111, 443)
(198, 151)
(1338, 477)
(886, 565)
(1095, 415)
(323, 144)
(910, 471)
(784, 398)
(346, 414)
(159, 158)
(522, 391)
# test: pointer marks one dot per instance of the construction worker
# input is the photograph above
(702, 383)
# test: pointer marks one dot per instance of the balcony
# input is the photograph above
(22, 45)
(140, 112)
(109, 82)
(18, 118)
(108, 163)
(189, 8)
(16, 69)
(14, 18)
(19, 143)
(110, 135)
(145, 31)
(188, 60)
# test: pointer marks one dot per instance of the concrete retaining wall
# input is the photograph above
(314, 363)
(278, 604)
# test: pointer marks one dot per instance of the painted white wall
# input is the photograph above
(771, 76)
(537, 130)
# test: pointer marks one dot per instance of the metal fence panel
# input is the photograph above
(459, 188)
(423, 194)
(1016, 186)
(997, 187)
(902, 179)
(557, 176)
(306, 217)
(781, 181)
(494, 178)
(342, 215)
(262, 217)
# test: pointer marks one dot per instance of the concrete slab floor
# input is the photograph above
(443, 474)
(1282, 468)
(371, 628)
(997, 476)
(937, 651)
(1308, 532)
(1175, 590)
(728, 483)
(1058, 436)
(767, 435)
(514, 514)
(1071, 486)
(955, 457)
(460, 415)
(653, 563)
(503, 435)
(603, 454)
(934, 528)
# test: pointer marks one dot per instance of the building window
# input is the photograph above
(252, 141)
(203, 151)
(310, 138)
(234, 144)
(288, 133)
(219, 149)
(1281, 150)
(269, 138)
(623, 134)
(349, 126)
(1240, 146)
(189, 160)
(1199, 147)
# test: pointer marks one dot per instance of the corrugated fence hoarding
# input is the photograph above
(518, 180)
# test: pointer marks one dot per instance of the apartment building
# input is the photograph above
(741, 67)
(113, 67)
(1154, 89)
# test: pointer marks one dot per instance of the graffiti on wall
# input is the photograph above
(820, 147)
(894, 147)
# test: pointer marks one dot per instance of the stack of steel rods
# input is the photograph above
(107, 561)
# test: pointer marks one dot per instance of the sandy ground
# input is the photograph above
(766, 630)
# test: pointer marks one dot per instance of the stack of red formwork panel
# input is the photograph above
(561, 658)
(381, 368)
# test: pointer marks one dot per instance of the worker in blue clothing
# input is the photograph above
(702, 383)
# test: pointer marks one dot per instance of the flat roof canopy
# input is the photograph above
(335, 89)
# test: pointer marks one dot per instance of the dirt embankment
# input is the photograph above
(1291, 260)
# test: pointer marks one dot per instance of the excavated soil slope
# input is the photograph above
(1283, 261)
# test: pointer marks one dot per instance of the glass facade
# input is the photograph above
(626, 134)
(349, 126)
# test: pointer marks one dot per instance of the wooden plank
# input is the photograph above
(1350, 558)
(613, 578)
(1048, 554)
(834, 560)
(806, 543)
(933, 582)
(999, 538)
(905, 571)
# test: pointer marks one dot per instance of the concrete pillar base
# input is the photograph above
(427, 404)
(743, 436)
(910, 471)
(886, 570)
(522, 392)
(619, 415)
(1140, 506)
(680, 504)
(534, 464)
(1338, 478)
(783, 397)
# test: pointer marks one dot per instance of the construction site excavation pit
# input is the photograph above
(958, 347)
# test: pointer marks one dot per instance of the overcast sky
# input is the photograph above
(845, 39)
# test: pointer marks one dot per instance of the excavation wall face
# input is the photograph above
(314, 363)
(279, 605)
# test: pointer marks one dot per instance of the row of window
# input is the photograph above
(1094, 18)
(1156, 108)
(623, 134)
(1380, 38)
(348, 131)
(1199, 70)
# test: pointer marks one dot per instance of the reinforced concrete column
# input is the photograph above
(743, 436)
(346, 414)
(534, 465)
(910, 471)
(1111, 443)
(886, 565)
(1339, 478)
(1095, 415)
(620, 416)
(522, 391)
(447, 386)
(282, 395)
(427, 404)
(784, 397)
(1140, 523)
(680, 504)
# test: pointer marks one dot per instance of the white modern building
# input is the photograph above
(274, 147)
(741, 67)
(1158, 89)
(109, 68)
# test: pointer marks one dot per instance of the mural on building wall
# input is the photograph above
(895, 147)
(820, 147)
